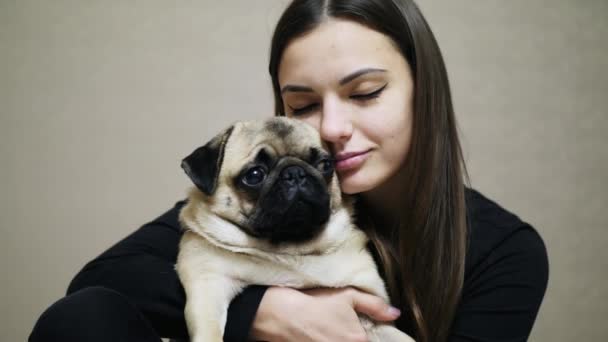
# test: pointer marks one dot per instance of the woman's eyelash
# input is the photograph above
(360, 97)
(303, 110)
(371, 95)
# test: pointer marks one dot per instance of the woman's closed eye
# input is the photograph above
(303, 110)
(374, 94)
(357, 97)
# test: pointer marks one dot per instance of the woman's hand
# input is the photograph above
(323, 314)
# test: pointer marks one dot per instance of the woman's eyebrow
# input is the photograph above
(296, 89)
(359, 73)
(343, 81)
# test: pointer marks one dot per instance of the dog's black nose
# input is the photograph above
(293, 175)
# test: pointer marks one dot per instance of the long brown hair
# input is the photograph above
(422, 260)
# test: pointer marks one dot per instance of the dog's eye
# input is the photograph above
(325, 166)
(254, 176)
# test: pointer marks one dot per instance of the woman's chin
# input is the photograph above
(353, 184)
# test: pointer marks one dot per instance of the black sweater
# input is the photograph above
(506, 276)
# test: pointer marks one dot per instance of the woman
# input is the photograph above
(369, 75)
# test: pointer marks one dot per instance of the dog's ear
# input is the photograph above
(203, 165)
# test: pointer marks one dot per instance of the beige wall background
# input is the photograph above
(100, 100)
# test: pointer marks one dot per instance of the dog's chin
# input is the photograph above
(277, 237)
(302, 222)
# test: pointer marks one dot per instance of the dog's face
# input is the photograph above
(274, 180)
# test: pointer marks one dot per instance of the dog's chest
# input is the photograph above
(334, 270)
(351, 265)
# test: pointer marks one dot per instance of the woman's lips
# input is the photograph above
(350, 160)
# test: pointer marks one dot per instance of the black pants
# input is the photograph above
(93, 314)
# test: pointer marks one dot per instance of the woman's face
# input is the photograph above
(353, 85)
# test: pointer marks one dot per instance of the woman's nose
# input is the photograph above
(336, 125)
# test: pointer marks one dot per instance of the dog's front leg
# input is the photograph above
(207, 300)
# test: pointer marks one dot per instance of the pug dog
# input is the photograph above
(267, 209)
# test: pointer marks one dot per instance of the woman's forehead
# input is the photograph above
(335, 49)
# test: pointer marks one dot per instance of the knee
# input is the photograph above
(83, 315)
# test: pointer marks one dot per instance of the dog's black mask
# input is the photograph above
(292, 200)
(295, 207)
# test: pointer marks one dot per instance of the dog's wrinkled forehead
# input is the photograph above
(278, 136)
(280, 128)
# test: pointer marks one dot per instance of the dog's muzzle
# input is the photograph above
(296, 207)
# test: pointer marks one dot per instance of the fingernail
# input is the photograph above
(393, 311)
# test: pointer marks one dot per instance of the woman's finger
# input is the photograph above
(374, 307)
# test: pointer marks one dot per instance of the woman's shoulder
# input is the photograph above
(496, 233)
(170, 217)
(506, 274)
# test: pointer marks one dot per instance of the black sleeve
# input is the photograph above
(503, 293)
(141, 266)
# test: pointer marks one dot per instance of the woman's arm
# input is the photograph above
(317, 315)
(141, 266)
(503, 292)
